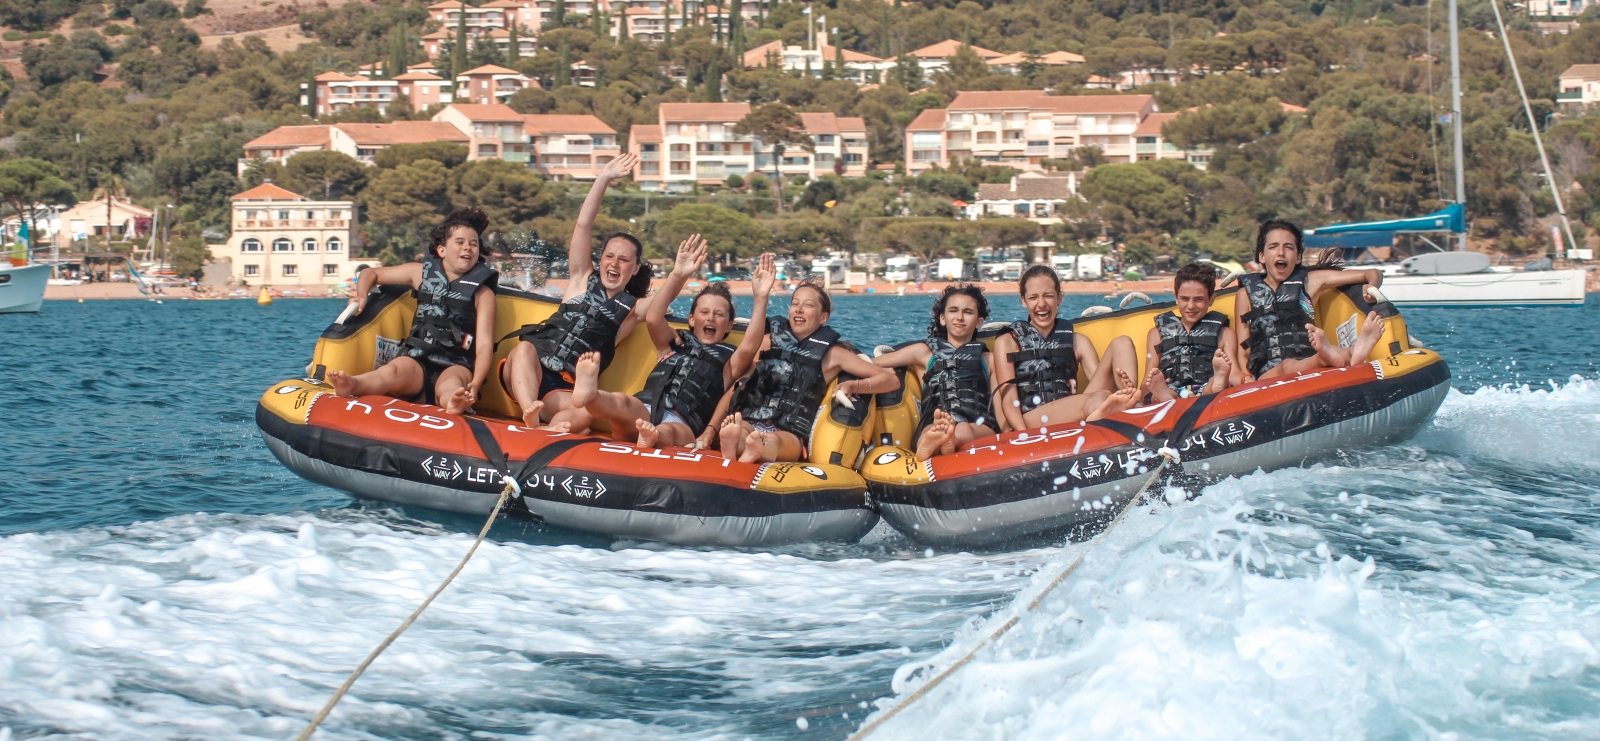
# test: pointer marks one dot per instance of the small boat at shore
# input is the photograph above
(1066, 479)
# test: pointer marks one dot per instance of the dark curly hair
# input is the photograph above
(639, 283)
(718, 289)
(471, 217)
(1196, 272)
(937, 329)
(1330, 259)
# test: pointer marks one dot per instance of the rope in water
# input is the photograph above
(511, 489)
(1168, 455)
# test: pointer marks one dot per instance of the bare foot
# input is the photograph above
(1221, 364)
(940, 431)
(647, 432)
(558, 427)
(1367, 339)
(1155, 382)
(1326, 350)
(1123, 381)
(1121, 401)
(460, 401)
(530, 416)
(343, 384)
(585, 379)
(732, 434)
(759, 446)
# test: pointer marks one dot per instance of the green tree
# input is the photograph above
(27, 182)
(1131, 198)
(458, 49)
(325, 175)
(1230, 124)
(506, 191)
(726, 231)
(925, 238)
(413, 195)
(189, 257)
(448, 154)
(514, 50)
(779, 128)
(713, 83)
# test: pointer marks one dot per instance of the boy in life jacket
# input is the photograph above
(1190, 351)
(1036, 363)
(954, 367)
(776, 406)
(678, 401)
(1275, 309)
(446, 356)
(602, 303)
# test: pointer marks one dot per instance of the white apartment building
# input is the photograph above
(1021, 127)
(936, 57)
(570, 147)
(281, 238)
(695, 143)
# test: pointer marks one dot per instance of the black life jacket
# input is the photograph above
(1186, 353)
(787, 386)
(956, 382)
(589, 323)
(441, 331)
(1046, 365)
(689, 382)
(1277, 320)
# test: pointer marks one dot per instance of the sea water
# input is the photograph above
(162, 577)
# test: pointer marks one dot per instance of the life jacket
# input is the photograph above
(441, 331)
(589, 323)
(1046, 365)
(1277, 320)
(1186, 353)
(688, 382)
(957, 382)
(787, 386)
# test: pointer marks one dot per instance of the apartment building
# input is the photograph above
(493, 130)
(1150, 144)
(281, 238)
(1021, 127)
(695, 143)
(652, 21)
(859, 68)
(335, 91)
(361, 141)
(570, 147)
(424, 89)
(488, 84)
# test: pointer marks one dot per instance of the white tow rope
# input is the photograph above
(510, 490)
(1168, 456)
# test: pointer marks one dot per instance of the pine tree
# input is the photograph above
(458, 51)
(884, 50)
(622, 25)
(398, 42)
(838, 58)
(713, 83)
(683, 24)
(564, 68)
(558, 14)
(736, 28)
(514, 52)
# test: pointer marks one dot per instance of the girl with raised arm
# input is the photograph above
(451, 346)
(678, 401)
(600, 308)
(954, 367)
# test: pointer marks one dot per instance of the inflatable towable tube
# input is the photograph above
(1073, 478)
(397, 451)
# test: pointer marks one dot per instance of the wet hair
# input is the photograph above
(471, 217)
(1197, 272)
(718, 289)
(935, 328)
(639, 283)
(822, 293)
(1035, 272)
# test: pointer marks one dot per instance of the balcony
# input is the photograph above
(956, 126)
(1039, 151)
(1143, 148)
(649, 156)
(709, 170)
(1570, 97)
(514, 156)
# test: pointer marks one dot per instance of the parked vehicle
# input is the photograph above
(901, 269)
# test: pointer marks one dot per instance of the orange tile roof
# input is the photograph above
(491, 69)
(402, 132)
(820, 123)
(757, 57)
(338, 77)
(645, 133)
(931, 119)
(948, 48)
(1098, 103)
(553, 123)
(417, 76)
(704, 111)
(268, 192)
(487, 111)
(852, 123)
(1049, 58)
(1151, 125)
(291, 136)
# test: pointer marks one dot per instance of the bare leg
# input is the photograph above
(400, 377)
(566, 417)
(521, 376)
(966, 432)
(1368, 338)
(673, 435)
(451, 388)
(585, 379)
(935, 436)
(1332, 355)
(768, 447)
(733, 433)
(1120, 356)
(1291, 367)
(1069, 411)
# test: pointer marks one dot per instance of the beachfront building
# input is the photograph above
(282, 239)
(570, 147)
(1038, 196)
(116, 219)
(859, 68)
(1021, 127)
(1150, 144)
(694, 143)
(493, 130)
(361, 141)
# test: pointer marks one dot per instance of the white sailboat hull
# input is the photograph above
(22, 288)
(1511, 288)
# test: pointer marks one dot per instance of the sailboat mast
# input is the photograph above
(1455, 112)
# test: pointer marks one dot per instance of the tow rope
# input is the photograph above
(1168, 456)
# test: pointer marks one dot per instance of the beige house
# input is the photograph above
(1021, 127)
(489, 84)
(859, 68)
(1579, 86)
(360, 141)
(695, 143)
(1036, 196)
(283, 239)
(493, 130)
(570, 147)
(123, 220)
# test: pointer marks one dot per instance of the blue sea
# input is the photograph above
(163, 577)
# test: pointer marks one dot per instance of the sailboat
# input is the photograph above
(1460, 278)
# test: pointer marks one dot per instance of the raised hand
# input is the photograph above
(619, 167)
(691, 255)
(765, 274)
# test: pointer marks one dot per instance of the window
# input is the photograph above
(650, 168)
(335, 214)
(282, 244)
(250, 245)
(925, 155)
(283, 215)
(824, 138)
(291, 270)
(825, 159)
(852, 159)
(330, 270)
(488, 150)
(311, 215)
(250, 214)
(334, 245)
(309, 245)
(251, 271)
(1020, 209)
(672, 129)
(649, 147)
